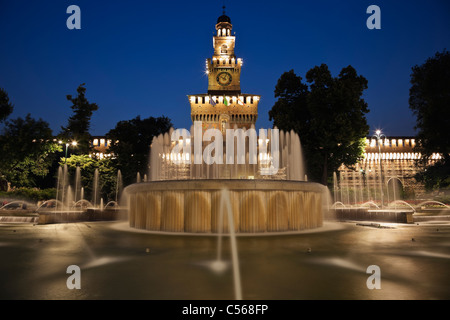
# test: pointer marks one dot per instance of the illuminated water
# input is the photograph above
(118, 262)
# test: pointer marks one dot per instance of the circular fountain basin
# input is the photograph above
(196, 206)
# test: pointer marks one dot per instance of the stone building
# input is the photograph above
(389, 165)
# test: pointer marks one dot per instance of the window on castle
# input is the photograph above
(224, 49)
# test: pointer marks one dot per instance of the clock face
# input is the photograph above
(224, 78)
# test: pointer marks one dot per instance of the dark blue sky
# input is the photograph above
(144, 57)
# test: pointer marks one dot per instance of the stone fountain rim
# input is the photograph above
(229, 184)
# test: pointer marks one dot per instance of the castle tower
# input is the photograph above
(224, 106)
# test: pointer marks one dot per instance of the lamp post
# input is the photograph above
(73, 143)
(378, 134)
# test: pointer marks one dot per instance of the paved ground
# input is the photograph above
(117, 262)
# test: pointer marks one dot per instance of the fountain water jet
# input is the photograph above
(218, 265)
(95, 189)
(182, 193)
(119, 185)
(78, 187)
(226, 201)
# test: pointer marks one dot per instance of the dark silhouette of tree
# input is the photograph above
(6, 108)
(130, 144)
(79, 123)
(328, 115)
(429, 99)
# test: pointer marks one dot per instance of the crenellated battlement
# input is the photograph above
(241, 110)
(243, 100)
(224, 62)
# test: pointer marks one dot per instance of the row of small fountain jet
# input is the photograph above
(71, 197)
(352, 192)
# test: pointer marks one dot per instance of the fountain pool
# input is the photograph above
(194, 205)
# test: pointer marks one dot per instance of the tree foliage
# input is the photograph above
(130, 144)
(28, 194)
(27, 151)
(430, 102)
(429, 99)
(328, 113)
(79, 123)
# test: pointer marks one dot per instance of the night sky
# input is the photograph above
(144, 57)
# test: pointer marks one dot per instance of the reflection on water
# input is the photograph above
(216, 266)
(429, 254)
(339, 262)
(116, 265)
(102, 261)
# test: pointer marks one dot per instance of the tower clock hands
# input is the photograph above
(224, 78)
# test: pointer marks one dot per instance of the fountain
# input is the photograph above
(184, 196)
(70, 204)
(18, 211)
(386, 207)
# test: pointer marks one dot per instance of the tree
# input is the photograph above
(328, 115)
(6, 108)
(130, 144)
(429, 99)
(27, 149)
(79, 123)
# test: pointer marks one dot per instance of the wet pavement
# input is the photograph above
(117, 262)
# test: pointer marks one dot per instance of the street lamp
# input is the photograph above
(378, 134)
(73, 143)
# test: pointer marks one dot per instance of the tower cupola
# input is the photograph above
(224, 25)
